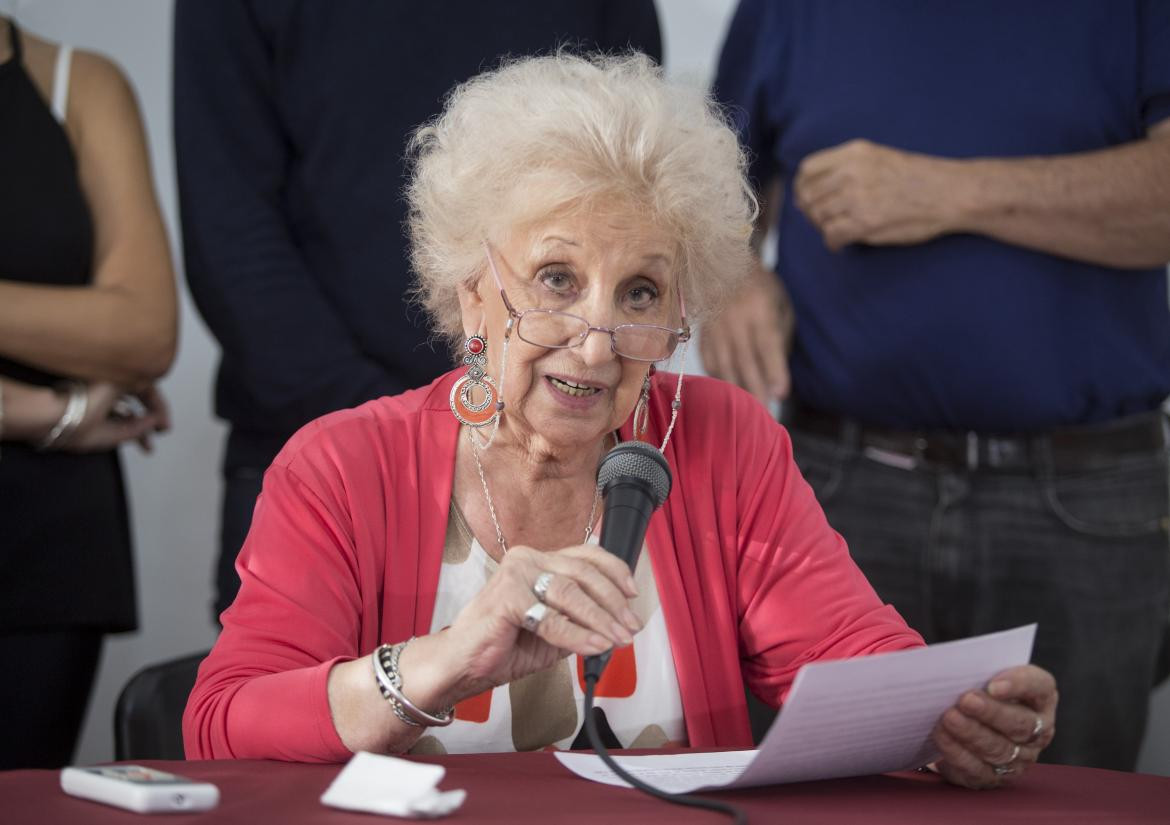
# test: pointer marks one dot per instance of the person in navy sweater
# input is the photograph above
(291, 122)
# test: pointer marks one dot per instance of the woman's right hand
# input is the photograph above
(487, 645)
(589, 613)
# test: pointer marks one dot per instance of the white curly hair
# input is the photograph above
(547, 135)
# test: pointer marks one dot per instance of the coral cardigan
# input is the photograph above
(347, 540)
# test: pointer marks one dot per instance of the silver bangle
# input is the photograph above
(385, 660)
(71, 419)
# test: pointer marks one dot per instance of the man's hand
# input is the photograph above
(748, 342)
(861, 192)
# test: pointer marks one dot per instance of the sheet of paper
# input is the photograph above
(852, 717)
(675, 772)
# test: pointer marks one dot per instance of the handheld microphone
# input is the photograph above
(634, 479)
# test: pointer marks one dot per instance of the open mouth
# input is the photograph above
(575, 390)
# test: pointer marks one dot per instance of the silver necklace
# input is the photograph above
(492, 508)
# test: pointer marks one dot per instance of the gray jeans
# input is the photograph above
(959, 553)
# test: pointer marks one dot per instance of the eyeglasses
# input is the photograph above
(553, 329)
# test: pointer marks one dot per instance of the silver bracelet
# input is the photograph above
(385, 660)
(70, 419)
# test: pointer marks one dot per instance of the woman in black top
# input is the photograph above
(87, 324)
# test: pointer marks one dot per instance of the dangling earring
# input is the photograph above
(463, 406)
(642, 408)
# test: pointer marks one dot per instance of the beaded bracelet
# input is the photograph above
(385, 660)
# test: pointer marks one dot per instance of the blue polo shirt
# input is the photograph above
(963, 332)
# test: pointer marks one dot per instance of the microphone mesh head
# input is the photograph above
(636, 459)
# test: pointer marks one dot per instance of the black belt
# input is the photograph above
(1068, 449)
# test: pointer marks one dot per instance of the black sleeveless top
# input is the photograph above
(65, 540)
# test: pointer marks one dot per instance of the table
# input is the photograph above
(533, 787)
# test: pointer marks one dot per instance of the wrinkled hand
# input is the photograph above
(748, 342)
(590, 613)
(985, 727)
(862, 192)
(113, 416)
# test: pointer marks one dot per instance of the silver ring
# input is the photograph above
(1004, 768)
(1037, 729)
(123, 407)
(541, 586)
(534, 616)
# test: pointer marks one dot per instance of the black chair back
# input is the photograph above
(760, 716)
(149, 714)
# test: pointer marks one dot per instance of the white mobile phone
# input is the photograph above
(140, 789)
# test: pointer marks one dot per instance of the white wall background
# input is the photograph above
(175, 492)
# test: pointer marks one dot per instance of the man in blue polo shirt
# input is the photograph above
(973, 213)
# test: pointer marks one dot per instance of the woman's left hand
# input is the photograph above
(994, 734)
(112, 418)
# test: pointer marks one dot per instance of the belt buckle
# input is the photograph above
(995, 454)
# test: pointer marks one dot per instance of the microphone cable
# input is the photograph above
(728, 809)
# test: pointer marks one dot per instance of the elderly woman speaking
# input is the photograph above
(421, 574)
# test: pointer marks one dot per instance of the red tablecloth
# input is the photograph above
(533, 787)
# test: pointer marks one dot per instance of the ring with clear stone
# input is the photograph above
(542, 584)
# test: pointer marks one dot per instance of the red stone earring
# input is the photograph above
(474, 396)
